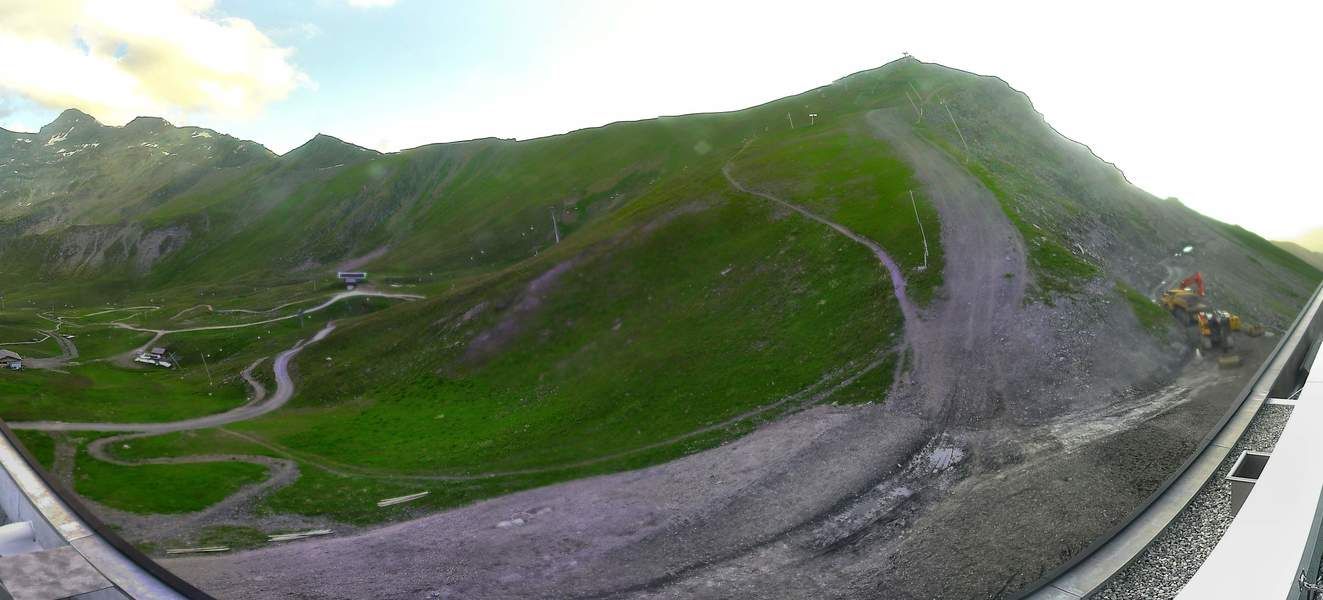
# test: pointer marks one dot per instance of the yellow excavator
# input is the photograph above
(1186, 299)
(1186, 303)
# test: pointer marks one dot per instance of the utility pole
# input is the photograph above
(792, 120)
(204, 366)
(813, 119)
(942, 101)
(554, 226)
(925, 235)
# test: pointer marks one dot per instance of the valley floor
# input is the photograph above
(808, 507)
(938, 492)
(1018, 425)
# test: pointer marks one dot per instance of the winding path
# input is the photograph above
(68, 352)
(282, 471)
(253, 409)
(897, 277)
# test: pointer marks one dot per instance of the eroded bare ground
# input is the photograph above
(980, 472)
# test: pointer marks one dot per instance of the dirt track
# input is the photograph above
(902, 501)
(963, 347)
(738, 505)
(284, 391)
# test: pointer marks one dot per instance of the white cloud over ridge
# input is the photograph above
(118, 60)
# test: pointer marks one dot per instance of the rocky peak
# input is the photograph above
(147, 124)
(71, 126)
(326, 151)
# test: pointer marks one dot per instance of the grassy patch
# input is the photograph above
(1150, 315)
(101, 392)
(23, 342)
(694, 321)
(1057, 270)
(1263, 248)
(40, 444)
(870, 387)
(138, 489)
(237, 537)
(103, 342)
(842, 172)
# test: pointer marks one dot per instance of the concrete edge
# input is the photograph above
(28, 493)
(1097, 564)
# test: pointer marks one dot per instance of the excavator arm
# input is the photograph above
(1194, 282)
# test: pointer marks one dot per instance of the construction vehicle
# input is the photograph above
(1186, 299)
(1215, 327)
(1186, 302)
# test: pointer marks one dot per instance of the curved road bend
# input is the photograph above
(284, 390)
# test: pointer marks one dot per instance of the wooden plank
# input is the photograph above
(400, 499)
(196, 550)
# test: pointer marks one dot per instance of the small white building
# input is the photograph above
(155, 357)
(352, 279)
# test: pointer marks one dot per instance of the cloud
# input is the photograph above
(298, 31)
(152, 57)
(371, 3)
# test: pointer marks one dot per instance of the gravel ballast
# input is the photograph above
(1176, 554)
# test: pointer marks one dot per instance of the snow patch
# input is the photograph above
(201, 134)
(59, 137)
(942, 458)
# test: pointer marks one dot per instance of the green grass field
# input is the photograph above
(20, 335)
(766, 304)
(102, 392)
(1150, 314)
(139, 489)
(838, 170)
(96, 342)
(40, 444)
(675, 313)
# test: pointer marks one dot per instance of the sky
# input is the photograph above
(1213, 103)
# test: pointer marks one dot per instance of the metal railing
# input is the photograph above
(1092, 568)
(60, 519)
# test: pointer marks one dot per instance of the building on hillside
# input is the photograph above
(10, 360)
(352, 278)
(157, 356)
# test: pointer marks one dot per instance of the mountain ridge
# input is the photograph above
(623, 296)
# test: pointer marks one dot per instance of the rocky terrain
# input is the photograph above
(908, 351)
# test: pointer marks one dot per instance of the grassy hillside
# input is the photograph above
(1314, 259)
(674, 313)
(1311, 240)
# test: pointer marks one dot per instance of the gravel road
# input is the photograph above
(783, 493)
(941, 492)
(284, 391)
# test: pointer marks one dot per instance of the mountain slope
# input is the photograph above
(1315, 259)
(924, 248)
(1312, 240)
